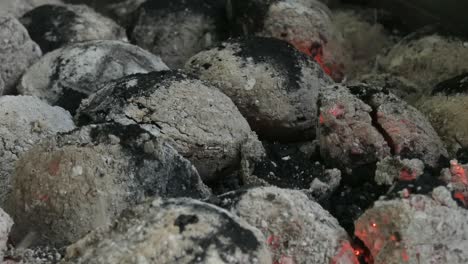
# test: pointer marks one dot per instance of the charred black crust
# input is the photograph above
(453, 86)
(280, 54)
(228, 230)
(297, 173)
(51, 20)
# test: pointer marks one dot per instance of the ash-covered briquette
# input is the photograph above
(407, 131)
(173, 231)
(274, 86)
(17, 53)
(55, 26)
(297, 230)
(5, 226)
(66, 76)
(456, 179)
(426, 60)
(415, 230)
(178, 29)
(370, 123)
(72, 183)
(24, 121)
(17, 8)
(203, 124)
(348, 138)
(304, 24)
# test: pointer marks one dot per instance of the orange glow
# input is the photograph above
(458, 173)
(461, 197)
(374, 225)
(321, 119)
(407, 175)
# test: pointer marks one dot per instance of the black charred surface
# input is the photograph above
(229, 237)
(227, 200)
(280, 54)
(146, 84)
(286, 166)
(348, 203)
(454, 86)
(70, 99)
(462, 155)
(184, 220)
(156, 177)
(50, 26)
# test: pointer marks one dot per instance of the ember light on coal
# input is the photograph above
(231, 132)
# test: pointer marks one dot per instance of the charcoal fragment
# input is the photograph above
(66, 76)
(295, 227)
(147, 234)
(274, 86)
(55, 26)
(178, 29)
(24, 121)
(202, 123)
(72, 183)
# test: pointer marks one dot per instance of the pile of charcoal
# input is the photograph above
(228, 131)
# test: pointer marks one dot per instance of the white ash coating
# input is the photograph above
(177, 29)
(415, 230)
(202, 123)
(447, 115)
(5, 226)
(347, 136)
(274, 86)
(24, 121)
(55, 26)
(17, 8)
(70, 184)
(295, 227)
(65, 76)
(427, 60)
(173, 231)
(391, 169)
(410, 132)
(17, 53)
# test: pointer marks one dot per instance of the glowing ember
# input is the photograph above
(407, 175)
(321, 119)
(273, 241)
(374, 225)
(316, 52)
(461, 197)
(458, 173)
(337, 110)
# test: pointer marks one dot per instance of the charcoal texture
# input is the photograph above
(17, 53)
(297, 229)
(274, 86)
(72, 183)
(306, 24)
(24, 121)
(66, 76)
(426, 60)
(17, 8)
(178, 29)
(202, 123)
(173, 231)
(414, 230)
(55, 26)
